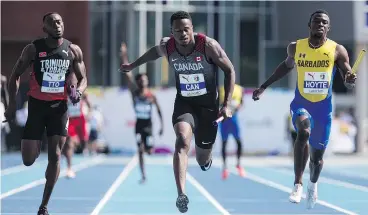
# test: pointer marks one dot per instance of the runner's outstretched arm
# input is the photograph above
(129, 75)
(152, 54)
(283, 68)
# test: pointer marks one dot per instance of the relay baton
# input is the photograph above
(358, 61)
(215, 123)
(73, 92)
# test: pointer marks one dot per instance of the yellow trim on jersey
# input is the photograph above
(314, 68)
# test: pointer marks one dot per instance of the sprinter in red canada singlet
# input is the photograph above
(192, 57)
(53, 58)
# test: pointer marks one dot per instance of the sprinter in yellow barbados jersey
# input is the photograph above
(231, 127)
(316, 59)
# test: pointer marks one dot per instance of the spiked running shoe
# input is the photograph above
(182, 203)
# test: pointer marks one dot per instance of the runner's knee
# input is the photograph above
(182, 141)
(239, 143)
(303, 135)
(54, 150)
(316, 162)
(203, 156)
(141, 148)
(54, 156)
(224, 147)
(316, 156)
(30, 151)
(28, 161)
(183, 133)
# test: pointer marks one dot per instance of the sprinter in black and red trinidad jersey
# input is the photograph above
(53, 58)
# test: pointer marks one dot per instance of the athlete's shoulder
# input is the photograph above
(209, 41)
(31, 47)
(212, 47)
(76, 51)
(340, 51)
(201, 35)
(162, 48)
(29, 51)
(150, 95)
(165, 40)
(291, 48)
(335, 44)
(28, 54)
(74, 47)
(67, 42)
(39, 41)
(340, 47)
(292, 44)
(332, 41)
(302, 40)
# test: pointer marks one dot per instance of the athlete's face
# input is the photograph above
(182, 30)
(142, 81)
(320, 25)
(54, 26)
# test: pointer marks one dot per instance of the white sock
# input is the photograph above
(312, 185)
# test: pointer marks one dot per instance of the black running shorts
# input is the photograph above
(52, 115)
(93, 135)
(200, 118)
(143, 131)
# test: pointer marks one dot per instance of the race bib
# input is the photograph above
(192, 85)
(143, 110)
(74, 110)
(53, 83)
(316, 83)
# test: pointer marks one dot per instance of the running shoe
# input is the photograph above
(296, 194)
(311, 195)
(182, 203)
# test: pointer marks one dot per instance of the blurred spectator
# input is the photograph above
(343, 133)
(4, 91)
(290, 133)
(96, 124)
(21, 115)
(354, 121)
(4, 127)
(347, 116)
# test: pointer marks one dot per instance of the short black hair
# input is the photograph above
(47, 15)
(316, 12)
(138, 76)
(180, 15)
